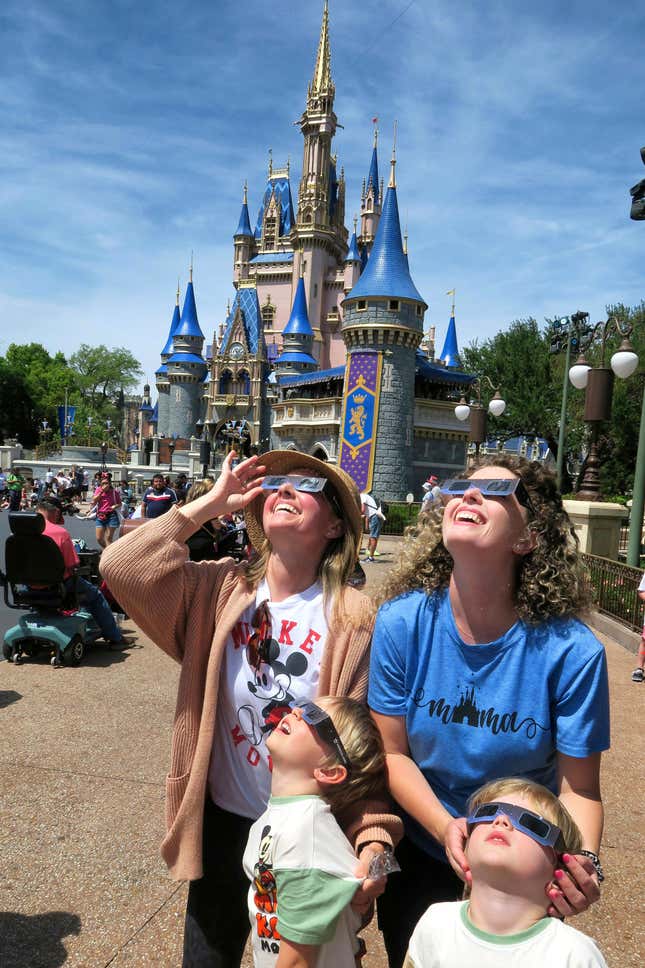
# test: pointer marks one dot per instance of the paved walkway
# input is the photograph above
(82, 763)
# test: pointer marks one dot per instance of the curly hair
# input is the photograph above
(550, 581)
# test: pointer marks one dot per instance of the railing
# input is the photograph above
(399, 516)
(615, 590)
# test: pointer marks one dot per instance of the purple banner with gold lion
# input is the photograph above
(360, 416)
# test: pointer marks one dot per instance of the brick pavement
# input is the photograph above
(82, 764)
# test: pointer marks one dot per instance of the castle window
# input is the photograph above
(226, 382)
(419, 310)
(393, 305)
(361, 305)
(242, 382)
(270, 227)
(268, 315)
(315, 290)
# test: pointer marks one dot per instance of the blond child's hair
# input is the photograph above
(199, 488)
(367, 779)
(545, 803)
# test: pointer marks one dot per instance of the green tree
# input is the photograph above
(103, 375)
(517, 360)
(16, 406)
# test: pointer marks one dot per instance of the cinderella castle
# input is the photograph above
(323, 348)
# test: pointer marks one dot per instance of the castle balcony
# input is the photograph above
(306, 413)
(230, 400)
(438, 416)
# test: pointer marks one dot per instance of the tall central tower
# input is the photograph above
(321, 237)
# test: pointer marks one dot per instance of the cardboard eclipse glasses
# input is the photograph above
(526, 821)
(321, 722)
(489, 487)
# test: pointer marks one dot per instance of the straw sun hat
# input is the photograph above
(286, 461)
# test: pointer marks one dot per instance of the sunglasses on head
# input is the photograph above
(321, 722)
(526, 821)
(259, 644)
(489, 487)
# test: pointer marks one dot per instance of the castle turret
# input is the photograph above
(186, 369)
(371, 199)
(382, 328)
(161, 375)
(243, 241)
(297, 339)
(320, 230)
(352, 262)
(145, 412)
(450, 352)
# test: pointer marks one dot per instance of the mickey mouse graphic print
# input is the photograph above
(259, 681)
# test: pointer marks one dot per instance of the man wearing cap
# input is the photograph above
(432, 492)
(88, 595)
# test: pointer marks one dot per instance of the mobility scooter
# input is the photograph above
(34, 580)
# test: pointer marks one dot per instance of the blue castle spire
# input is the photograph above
(299, 318)
(189, 324)
(372, 178)
(450, 352)
(297, 337)
(387, 273)
(244, 224)
(353, 255)
(174, 326)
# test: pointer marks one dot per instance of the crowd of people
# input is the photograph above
(453, 735)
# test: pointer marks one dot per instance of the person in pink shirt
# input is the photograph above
(89, 596)
(106, 500)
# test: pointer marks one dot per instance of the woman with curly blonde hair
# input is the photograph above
(481, 668)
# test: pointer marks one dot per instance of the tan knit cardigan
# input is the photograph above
(189, 609)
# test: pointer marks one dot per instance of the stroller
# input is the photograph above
(34, 580)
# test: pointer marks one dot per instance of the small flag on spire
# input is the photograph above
(374, 120)
(450, 292)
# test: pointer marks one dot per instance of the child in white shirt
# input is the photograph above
(325, 757)
(517, 831)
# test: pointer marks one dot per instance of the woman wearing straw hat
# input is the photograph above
(251, 638)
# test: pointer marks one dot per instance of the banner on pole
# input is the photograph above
(71, 413)
(360, 416)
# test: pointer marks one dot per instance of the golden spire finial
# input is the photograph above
(246, 193)
(191, 265)
(288, 165)
(392, 182)
(177, 290)
(228, 308)
(375, 135)
(405, 237)
(322, 72)
(451, 292)
(355, 223)
(270, 162)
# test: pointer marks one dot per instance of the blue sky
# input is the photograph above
(127, 130)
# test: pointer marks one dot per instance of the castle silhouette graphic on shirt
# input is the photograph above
(467, 712)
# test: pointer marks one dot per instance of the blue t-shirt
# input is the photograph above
(476, 713)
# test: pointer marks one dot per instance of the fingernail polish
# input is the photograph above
(553, 895)
(559, 873)
(566, 858)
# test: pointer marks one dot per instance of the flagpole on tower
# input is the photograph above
(451, 292)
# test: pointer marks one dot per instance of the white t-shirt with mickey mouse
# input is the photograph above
(239, 777)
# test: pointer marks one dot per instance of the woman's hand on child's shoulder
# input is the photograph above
(454, 841)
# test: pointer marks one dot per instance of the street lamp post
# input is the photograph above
(568, 328)
(638, 494)
(104, 450)
(89, 431)
(598, 383)
(172, 443)
(477, 413)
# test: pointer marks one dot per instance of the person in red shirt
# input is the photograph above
(89, 596)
